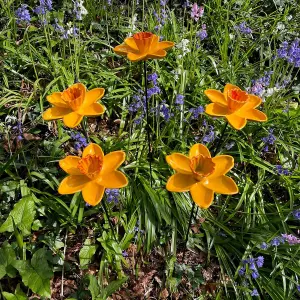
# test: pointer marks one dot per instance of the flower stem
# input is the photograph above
(220, 141)
(188, 229)
(108, 218)
(148, 122)
(83, 126)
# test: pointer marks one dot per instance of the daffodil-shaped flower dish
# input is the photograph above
(143, 46)
(235, 105)
(92, 173)
(74, 103)
(201, 175)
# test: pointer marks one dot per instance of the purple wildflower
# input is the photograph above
(255, 293)
(179, 99)
(153, 77)
(242, 28)
(45, 5)
(296, 214)
(124, 253)
(298, 288)
(277, 241)
(291, 52)
(242, 271)
(165, 111)
(255, 274)
(210, 135)
(19, 130)
(291, 239)
(196, 112)
(264, 246)
(202, 34)
(112, 195)
(260, 261)
(80, 141)
(282, 171)
(197, 12)
(22, 14)
(269, 140)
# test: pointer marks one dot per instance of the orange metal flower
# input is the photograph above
(235, 105)
(74, 103)
(201, 175)
(92, 173)
(143, 46)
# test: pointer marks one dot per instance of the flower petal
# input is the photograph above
(131, 43)
(180, 182)
(55, 112)
(216, 96)
(134, 57)
(93, 193)
(69, 165)
(202, 196)
(94, 109)
(253, 102)
(157, 54)
(93, 96)
(93, 149)
(223, 164)
(222, 185)
(216, 109)
(113, 180)
(72, 184)
(112, 161)
(198, 149)
(229, 87)
(254, 115)
(165, 45)
(122, 49)
(72, 119)
(236, 122)
(179, 163)
(56, 100)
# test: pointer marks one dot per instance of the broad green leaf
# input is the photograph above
(93, 286)
(37, 273)
(86, 253)
(7, 256)
(113, 287)
(23, 214)
(18, 295)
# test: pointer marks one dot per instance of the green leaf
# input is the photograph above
(37, 274)
(7, 256)
(113, 287)
(93, 286)
(18, 295)
(23, 214)
(86, 253)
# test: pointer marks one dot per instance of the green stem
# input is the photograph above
(109, 222)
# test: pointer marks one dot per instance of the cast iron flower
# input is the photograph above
(74, 103)
(143, 46)
(235, 105)
(92, 173)
(201, 175)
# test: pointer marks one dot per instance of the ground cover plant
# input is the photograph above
(149, 149)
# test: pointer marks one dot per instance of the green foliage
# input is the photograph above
(18, 295)
(37, 273)
(7, 257)
(86, 253)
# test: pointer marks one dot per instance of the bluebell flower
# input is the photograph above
(260, 261)
(209, 135)
(165, 111)
(269, 140)
(153, 77)
(124, 253)
(255, 293)
(290, 52)
(80, 141)
(276, 241)
(57, 27)
(298, 288)
(155, 90)
(282, 171)
(242, 271)
(242, 28)
(296, 214)
(264, 246)
(202, 34)
(254, 274)
(19, 130)
(112, 195)
(196, 112)
(179, 99)
(22, 14)
(45, 5)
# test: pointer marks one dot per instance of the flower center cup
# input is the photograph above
(202, 166)
(143, 40)
(73, 96)
(236, 99)
(91, 166)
